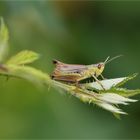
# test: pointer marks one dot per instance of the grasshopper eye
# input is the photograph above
(99, 66)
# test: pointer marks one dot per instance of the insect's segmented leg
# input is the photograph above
(98, 82)
(77, 84)
(78, 80)
(102, 77)
(82, 78)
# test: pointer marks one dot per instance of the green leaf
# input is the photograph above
(23, 57)
(123, 92)
(28, 73)
(117, 116)
(130, 77)
(107, 83)
(4, 36)
(110, 107)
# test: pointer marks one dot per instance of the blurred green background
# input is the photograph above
(73, 32)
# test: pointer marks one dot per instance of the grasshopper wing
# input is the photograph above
(69, 68)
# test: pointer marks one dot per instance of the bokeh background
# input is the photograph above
(73, 32)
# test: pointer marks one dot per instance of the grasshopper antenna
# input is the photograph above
(108, 61)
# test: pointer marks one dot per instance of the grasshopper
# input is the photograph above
(74, 73)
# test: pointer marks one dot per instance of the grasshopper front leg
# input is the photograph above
(98, 82)
(102, 77)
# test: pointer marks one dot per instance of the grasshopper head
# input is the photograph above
(99, 68)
